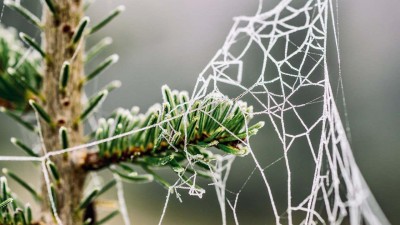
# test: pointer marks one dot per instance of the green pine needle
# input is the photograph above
(109, 61)
(53, 194)
(28, 212)
(24, 184)
(107, 218)
(5, 203)
(23, 147)
(50, 4)
(107, 187)
(53, 171)
(18, 119)
(108, 19)
(92, 105)
(88, 199)
(80, 30)
(64, 76)
(97, 48)
(64, 140)
(29, 41)
(41, 112)
(24, 12)
(112, 86)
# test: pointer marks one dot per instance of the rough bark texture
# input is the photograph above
(63, 107)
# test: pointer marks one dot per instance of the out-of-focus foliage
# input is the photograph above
(11, 211)
(20, 79)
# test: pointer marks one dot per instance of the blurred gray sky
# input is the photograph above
(170, 42)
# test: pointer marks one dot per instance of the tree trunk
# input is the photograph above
(63, 107)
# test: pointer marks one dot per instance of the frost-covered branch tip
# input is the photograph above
(169, 134)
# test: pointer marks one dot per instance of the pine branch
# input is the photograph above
(163, 132)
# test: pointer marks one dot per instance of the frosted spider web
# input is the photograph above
(335, 169)
(293, 77)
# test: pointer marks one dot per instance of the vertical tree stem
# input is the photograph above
(63, 107)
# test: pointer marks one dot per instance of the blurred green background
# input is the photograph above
(170, 42)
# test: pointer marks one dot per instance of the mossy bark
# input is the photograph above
(63, 107)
